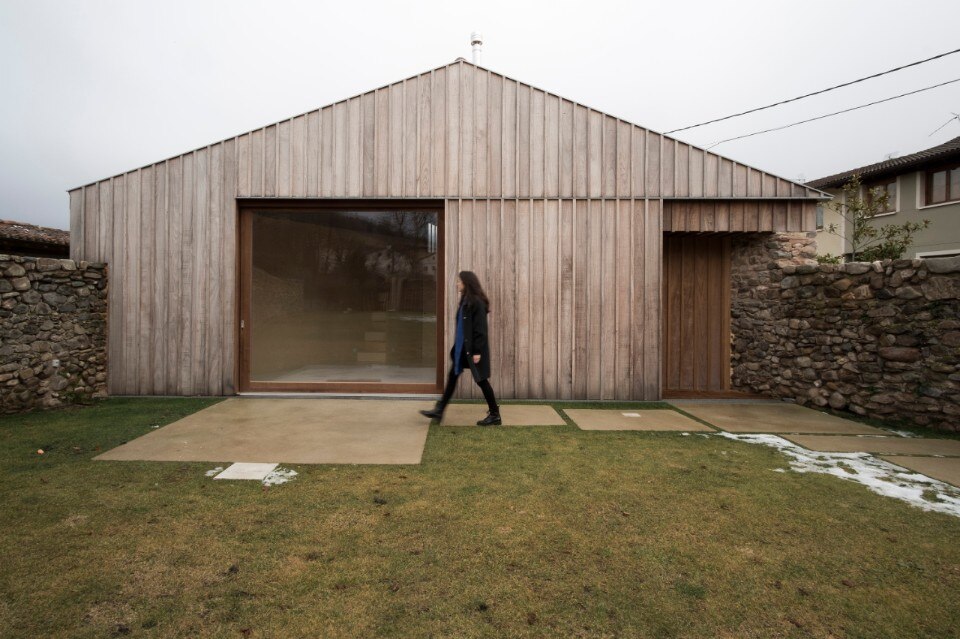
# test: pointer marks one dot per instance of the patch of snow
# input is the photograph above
(279, 476)
(878, 475)
(903, 433)
(215, 471)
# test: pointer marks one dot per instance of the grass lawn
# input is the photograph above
(502, 532)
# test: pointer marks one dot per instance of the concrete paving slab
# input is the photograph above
(242, 470)
(292, 431)
(510, 414)
(881, 445)
(943, 468)
(656, 419)
(774, 418)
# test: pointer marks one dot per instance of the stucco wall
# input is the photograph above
(832, 243)
(52, 332)
(943, 234)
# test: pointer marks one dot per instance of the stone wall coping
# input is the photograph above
(70, 265)
(939, 265)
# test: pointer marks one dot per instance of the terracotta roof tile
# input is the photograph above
(24, 232)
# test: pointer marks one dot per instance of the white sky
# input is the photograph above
(95, 88)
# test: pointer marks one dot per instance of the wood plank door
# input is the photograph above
(696, 315)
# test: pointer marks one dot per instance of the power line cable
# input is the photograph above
(839, 86)
(820, 117)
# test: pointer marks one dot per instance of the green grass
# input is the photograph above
(502, 532)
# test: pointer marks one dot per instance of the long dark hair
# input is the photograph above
(472, 291)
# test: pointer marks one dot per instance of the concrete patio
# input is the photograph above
(292, 431)
(648, 420)
(390, 431)
(772, 417)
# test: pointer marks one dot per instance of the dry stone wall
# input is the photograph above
(52, 332)
(877, 339)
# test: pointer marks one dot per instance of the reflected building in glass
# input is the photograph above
(344, 296)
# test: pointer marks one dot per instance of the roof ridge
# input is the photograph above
(26, 232)
(457, 61)
(890, 164)
(28, 224)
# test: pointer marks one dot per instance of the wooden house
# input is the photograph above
(319, 254)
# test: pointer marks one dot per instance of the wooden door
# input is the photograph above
(696, 315)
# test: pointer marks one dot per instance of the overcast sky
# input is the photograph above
(94, 88)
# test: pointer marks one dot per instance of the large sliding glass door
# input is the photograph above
(340, 298)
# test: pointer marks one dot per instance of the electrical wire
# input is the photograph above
(839, 86)
(820, 117)
(956, 116)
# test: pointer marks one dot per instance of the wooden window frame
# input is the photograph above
(928, 184)
(892, 203)
(246, 207)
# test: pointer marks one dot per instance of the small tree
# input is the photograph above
(868, 242)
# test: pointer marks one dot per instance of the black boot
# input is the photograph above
(434, 413)
(492, 419)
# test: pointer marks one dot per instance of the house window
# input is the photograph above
(819, 217)
(943, 185)
(889, 187)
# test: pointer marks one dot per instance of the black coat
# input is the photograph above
(475, 338)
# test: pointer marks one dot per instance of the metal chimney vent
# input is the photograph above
(476, 41)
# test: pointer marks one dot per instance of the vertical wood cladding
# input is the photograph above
(464, 131)
(575, 293)
(739, 216)
(558, 204)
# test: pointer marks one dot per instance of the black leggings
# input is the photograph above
(484, 386)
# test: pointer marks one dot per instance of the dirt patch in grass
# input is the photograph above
(499, 532)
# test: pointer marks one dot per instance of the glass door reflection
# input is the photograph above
(344, 297)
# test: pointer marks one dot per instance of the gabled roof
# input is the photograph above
(893, 166)
(461, 130)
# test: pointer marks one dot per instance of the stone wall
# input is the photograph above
(880, 340)
(52, 332)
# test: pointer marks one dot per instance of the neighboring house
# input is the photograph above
(18, 238)
(320, 253)
(921, 186)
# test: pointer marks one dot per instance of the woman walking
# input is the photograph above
(470, 349)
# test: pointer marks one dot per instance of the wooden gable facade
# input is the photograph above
(560, 209)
